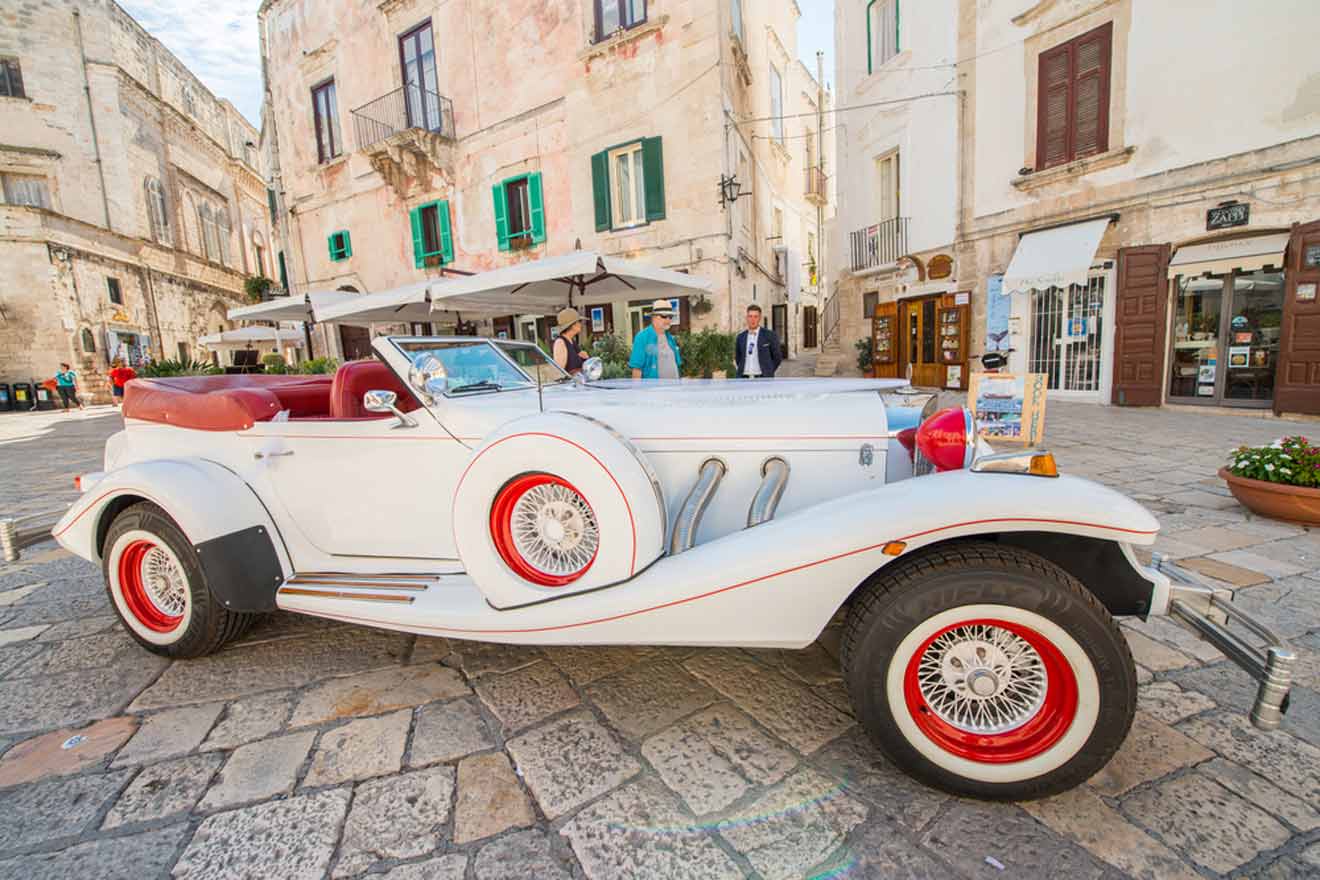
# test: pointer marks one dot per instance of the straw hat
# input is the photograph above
(567, 318)
(662, 307)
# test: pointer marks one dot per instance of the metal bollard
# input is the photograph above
(9, 540)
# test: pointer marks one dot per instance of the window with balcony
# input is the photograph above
(325, 113)
(433, 240)
(157, 212)
(1072, 111)
(25, 189)
(340, 245)
(628, 184)
(881, 32)
(421, 88)
(776, 104)
(113, 291)
(519, 213)
(11, 79)
(887, 180)
(616, 15)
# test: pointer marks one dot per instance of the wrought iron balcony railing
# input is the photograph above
(879, 245)
(815, 185)
(407, 107)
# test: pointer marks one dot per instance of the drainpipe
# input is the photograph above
(91, 117)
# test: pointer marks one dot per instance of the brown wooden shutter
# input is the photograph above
(1055, 86)
(1297, 382)
(1141, 313)
(1090, 126)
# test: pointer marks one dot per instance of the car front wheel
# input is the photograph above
(158, 589)
(988, 671)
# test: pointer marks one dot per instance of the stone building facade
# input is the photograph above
(415, 136)
(1131, 222)
(134, 204)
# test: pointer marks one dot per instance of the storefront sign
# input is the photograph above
(1306, 292)
(1227, 216)
(962, 299)
(1007, 407)
(940, 266)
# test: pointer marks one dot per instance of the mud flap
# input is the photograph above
(242, 569)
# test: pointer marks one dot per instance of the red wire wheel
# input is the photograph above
(544, 529)
(991, 691)
(153, 586)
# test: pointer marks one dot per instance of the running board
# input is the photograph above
(397, 588)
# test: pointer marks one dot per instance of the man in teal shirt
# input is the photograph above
(655, 351)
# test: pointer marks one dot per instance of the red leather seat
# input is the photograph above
(356, 378)
(224, 403)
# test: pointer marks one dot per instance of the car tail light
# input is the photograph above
(946, 439)
(908, 437)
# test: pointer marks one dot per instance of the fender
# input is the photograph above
(238, 546)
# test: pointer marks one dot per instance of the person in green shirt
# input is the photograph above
(655, 352)
(66, 382)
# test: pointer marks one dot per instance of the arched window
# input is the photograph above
(88, 341)
(156, 210)
(222, 234)
(205, 230)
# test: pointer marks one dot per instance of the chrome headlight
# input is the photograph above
(592, 369)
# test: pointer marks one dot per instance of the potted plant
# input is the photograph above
(1281, 480)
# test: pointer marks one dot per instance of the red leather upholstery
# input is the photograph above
(356, 378)
(224, 403)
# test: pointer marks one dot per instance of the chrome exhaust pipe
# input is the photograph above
(774, 477)
(689, 515)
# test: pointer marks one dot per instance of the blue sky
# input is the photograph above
(217, 39)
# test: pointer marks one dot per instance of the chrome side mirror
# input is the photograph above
(428, 376)
(592, 369)
(379, 401)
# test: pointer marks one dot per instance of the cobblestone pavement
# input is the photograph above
(312, 749)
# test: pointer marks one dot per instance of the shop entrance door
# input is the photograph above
(1226, 331)
(809, 326)
(918, 323)
(1299, 342)
(1067, 336)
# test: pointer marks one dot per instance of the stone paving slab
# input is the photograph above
(300, 749)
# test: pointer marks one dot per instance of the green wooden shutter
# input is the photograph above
(501, 216)
(536, 209)
(600, 189)
(348, 244)
(419, 241)
(270, 198)
(653, 175)
(284, 272)
(446, 232)
(330, 245)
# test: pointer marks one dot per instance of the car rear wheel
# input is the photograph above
(158, 589)
(988, 671)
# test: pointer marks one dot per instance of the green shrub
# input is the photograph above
(863, 347)
(167, 367)
(257, 287)
(275, 364)
(707, 351)
(317, 366)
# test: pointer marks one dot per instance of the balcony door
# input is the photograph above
(421, 89)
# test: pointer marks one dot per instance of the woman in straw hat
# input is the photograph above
(566, 351)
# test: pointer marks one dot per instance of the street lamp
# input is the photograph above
(730, 190)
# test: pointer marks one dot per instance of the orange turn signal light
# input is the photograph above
(893, 548)
(1043, 465)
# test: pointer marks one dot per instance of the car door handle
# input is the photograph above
(261, 455)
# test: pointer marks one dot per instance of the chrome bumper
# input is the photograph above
(1208, 612)
(19, 533)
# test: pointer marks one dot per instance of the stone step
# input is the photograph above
(826, 366)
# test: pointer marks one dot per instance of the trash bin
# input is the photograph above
(45, 397)
(6, 401)
(22, 396)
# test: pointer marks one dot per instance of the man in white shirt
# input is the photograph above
(757, 350)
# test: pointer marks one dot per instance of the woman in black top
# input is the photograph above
(566, 351)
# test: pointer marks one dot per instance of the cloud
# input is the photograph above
(216, 39)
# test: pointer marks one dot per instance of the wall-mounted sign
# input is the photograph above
(910, 270)
(119, 316)
(940, 266)
(1227, 216)
(1306, 292)
(598, 319)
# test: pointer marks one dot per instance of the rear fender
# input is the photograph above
(238, 545)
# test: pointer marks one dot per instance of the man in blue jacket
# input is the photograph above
(757, 352)
(655, 351)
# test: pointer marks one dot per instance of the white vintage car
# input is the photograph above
(467, 487)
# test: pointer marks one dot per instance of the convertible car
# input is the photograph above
(469, 488)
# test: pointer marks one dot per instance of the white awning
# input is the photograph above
(291, 308)
(1222, 257)
(411, 302)
(255, 337)
(1055, 257)
(542, 287)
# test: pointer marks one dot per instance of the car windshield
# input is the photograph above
(478, 365)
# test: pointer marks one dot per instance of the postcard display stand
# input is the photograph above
(952, 336)
(1007, 407)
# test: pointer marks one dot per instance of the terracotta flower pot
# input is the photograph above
(1295, 504)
